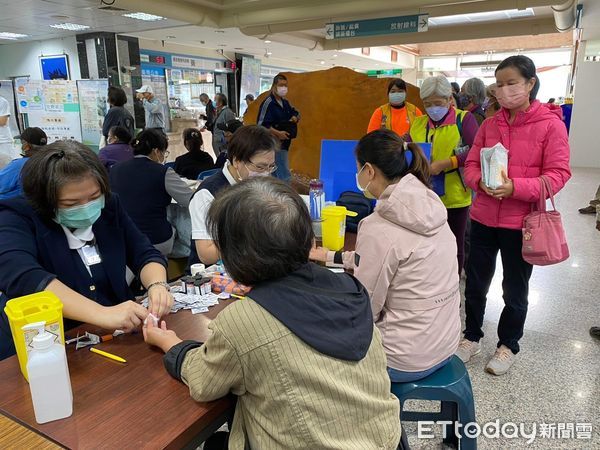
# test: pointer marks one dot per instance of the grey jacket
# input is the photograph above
(291, 396)
(155, 113)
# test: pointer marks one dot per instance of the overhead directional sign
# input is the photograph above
(375, 27)
(384, 72)
(329, 30)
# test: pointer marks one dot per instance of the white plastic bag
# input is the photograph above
(494, 161)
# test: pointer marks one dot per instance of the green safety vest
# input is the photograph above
(445, 142)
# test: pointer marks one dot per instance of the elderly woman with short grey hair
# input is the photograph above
(301, 351)
(472, 97)
(451, 133)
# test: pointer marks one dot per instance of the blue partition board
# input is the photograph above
(338, 168)
(426, 147)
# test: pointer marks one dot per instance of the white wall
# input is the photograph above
(585, 150)
(149, 44)
(23, 58)
(157, 46)
(410, 76)
(379, 54)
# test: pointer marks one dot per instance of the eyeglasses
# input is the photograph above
(262, 169)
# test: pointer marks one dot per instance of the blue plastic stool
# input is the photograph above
(452, 386)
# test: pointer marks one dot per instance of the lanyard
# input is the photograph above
(427, 134)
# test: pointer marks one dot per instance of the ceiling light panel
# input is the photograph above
(12, 36)
(69, 26)
(481, 17)
(143, 16)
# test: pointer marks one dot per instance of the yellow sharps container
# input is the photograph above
(41, 307)
(334, 226)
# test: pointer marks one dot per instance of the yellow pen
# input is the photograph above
(237, 296)
(107, 355)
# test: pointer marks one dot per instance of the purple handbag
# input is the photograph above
(544, 239)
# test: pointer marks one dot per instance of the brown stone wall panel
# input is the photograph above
(334, 104)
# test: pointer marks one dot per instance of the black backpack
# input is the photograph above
(354, 201)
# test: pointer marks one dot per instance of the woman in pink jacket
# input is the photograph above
(537, 142)
(405, 257)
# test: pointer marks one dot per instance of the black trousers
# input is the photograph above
(457, 220)
(486, 242)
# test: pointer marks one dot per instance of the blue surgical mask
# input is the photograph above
(83, 216)
(397, 98)
(437, 113)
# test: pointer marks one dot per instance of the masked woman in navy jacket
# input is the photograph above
(70, 236)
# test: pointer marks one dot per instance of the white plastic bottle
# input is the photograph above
(49, 379)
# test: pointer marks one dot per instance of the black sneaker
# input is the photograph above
(588, 210)
(595, 332)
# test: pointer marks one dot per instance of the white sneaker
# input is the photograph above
(467, 349)
(501, 361)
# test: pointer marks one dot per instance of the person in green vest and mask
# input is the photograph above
(451, 133)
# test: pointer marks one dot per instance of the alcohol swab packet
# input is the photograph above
(154, 319)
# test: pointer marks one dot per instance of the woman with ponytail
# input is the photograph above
(405, 256)
(196, 160)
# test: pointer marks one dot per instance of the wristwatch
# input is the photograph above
(160, 283)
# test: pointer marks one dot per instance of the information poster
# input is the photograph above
(250, 81)
(93, 107)
(7, 91)
(51, 105)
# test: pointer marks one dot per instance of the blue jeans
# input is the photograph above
(399, 376)
(283, 165)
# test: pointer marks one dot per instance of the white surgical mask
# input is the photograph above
(364, 190)
(253, 174)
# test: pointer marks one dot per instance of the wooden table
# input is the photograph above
(131, 405)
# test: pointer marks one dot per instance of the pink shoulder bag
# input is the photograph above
(544, 239)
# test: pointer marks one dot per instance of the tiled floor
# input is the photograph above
(557, 374)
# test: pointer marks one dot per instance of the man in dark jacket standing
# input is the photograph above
(281, 118)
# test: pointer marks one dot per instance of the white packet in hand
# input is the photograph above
(153, 318)
(494, 161)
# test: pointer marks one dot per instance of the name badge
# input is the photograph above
(91, 255)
